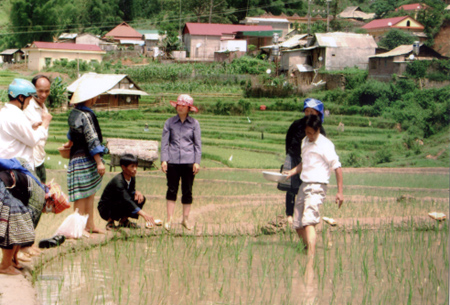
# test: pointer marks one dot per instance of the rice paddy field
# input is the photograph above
(385, 249)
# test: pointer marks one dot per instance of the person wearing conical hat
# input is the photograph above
(86, 167)
(181, 151)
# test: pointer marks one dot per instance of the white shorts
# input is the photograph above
(306, 210)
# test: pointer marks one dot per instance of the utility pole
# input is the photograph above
(328, 15)
(309, 16)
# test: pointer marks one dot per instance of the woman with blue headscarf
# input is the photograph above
(294, 138)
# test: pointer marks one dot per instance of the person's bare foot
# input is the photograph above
(95, 230)
(16, 264)
(10, 270)
(23, 256)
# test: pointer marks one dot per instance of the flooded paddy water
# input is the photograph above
(387, 266)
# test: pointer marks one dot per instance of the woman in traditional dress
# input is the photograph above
(86, 167)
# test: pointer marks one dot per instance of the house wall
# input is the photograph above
(382, 68)
(340, 58)
(209, 45)
(37, 58)
(289, 60)
(87, 39)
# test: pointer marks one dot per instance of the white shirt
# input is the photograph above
(319, 159)
(34, 113)
(17, 137)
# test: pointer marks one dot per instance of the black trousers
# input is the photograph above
(175, 172)
(290, 202)
(41, 173)
(116, 210)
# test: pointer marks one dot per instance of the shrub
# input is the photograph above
(57, 95)
(417, 68)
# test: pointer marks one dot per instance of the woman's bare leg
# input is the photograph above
(86, 207)
(6, 266)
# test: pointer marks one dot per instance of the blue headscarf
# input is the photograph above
(316, 105)
(8, 164)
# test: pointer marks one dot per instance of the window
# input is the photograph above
(48, 61)
(408, 23)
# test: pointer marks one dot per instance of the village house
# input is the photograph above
(378, 27)
(330, 51)
(120, 92)
(355, 12)
(86, 38)
(333, 51)
(383, 66)
(12, 55)
(203, 40)
(126, 36)
(43, 54)
(152, 39)
(413, 7)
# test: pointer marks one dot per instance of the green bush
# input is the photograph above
(417, 68)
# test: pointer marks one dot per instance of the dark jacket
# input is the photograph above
(85, 133)
(117, 200)
(294, 137)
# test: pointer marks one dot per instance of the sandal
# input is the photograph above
(110, 225)
(129, 224)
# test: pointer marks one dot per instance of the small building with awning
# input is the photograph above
(120, 91)
(12, 55)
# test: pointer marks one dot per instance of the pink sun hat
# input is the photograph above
(185, 100)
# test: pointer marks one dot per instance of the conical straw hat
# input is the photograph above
(89, 86)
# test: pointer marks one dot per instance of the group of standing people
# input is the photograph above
(24, 123)
(180, 160)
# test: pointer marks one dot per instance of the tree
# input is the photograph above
(395, 38)
(381, 8)
(32, 20)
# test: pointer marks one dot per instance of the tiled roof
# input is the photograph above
(124, 31)
(215, 29)
(66, 46)
(411, 7)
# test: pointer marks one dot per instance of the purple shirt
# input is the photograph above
(181, 143)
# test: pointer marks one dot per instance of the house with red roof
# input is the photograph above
(202, 40)
(379, 27)
(124, 34)
(413, 7)
(42, 54)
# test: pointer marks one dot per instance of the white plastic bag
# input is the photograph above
(73, 226)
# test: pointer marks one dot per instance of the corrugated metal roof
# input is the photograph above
(151, 36)
(355, 12)
(105, 81)
(68, 36)
(66, 46)
(124, 30)
(292, 42)
(131, 41)
(350, 40)
(274, 20)
(215, 29)
(126, 92)
(10, 51)
(260, 33)
(400, 50)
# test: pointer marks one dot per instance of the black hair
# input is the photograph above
(128, 159)
(37, 77)
(313, 121)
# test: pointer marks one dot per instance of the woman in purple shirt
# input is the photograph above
(181, 151)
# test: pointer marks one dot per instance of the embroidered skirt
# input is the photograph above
(16, 225)
(83, 179)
